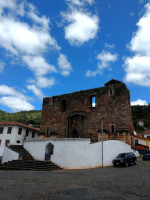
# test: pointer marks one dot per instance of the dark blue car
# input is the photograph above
(125, 159)
(146, 156)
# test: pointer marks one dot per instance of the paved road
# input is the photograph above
(131, 183)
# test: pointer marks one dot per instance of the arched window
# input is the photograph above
(112, 128)
(49, 149)
(111, 91)
(92, 101)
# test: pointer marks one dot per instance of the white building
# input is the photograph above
(146, 134)
(14, 133)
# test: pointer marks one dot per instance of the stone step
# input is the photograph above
(29, 165)
(29, 162)
(29, 168)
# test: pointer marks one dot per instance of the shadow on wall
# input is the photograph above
(49, 149)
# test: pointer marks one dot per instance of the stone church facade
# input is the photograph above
(80, 114)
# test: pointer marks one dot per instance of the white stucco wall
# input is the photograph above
(146, 135)
(9, 155)
(1, 151)
(77, 153)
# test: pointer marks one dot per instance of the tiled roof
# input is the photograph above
(146, 132)
(18, 124)
(139, 134)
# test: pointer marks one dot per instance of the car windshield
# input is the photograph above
(122, 155)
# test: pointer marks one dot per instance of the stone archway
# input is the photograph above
(49, 151)
(77, 125)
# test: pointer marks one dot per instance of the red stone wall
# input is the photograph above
(72, 113)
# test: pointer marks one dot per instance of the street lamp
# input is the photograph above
(101, 118)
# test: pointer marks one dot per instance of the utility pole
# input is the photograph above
(101, 118)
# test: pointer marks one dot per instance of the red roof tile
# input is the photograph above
(18, 124)
(146, 132)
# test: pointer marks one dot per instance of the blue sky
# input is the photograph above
(53, 47)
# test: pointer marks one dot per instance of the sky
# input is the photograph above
(54, 47)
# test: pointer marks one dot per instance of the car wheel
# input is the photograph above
(135, 162)
(126, 164)
(115, 165)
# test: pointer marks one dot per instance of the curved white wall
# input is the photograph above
(9, 155)
(78, 153)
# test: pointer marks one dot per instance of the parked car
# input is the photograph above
(125, 159)
(146, 156)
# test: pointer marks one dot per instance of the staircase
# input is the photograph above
(26, 162)
(23, 154)
(29, 165)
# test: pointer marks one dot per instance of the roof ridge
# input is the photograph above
(13, 123)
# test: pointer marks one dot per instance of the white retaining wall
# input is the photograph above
(1, 151)
(78, 153)
(9, 155)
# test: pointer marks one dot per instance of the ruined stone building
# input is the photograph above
(78, 114)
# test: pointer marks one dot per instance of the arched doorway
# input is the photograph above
(77, 125)
(75, 133)
(49, 151)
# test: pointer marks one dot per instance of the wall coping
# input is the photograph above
(59, 139)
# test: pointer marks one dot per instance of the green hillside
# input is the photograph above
(25, 117)
(142, 113)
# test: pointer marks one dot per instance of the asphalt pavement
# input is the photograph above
(108, 183)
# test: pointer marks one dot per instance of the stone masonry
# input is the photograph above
(78, 114)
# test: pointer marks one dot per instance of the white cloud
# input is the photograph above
(137, 67)
(109, 46)
(140, 42)
(33, 14)
(17, 36)
(8, 4)
(81, 27)
(26, 41)
(137, 70)
(16, 104)
(2, 65)
(64, 65)
(13, 99)
(139, 102)
(44, 82)
(79, 2)
(5, 90)
(104, 58)
(75, 2)
(39, 65)
(131, 14)
(90, 73)
(37, 92)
